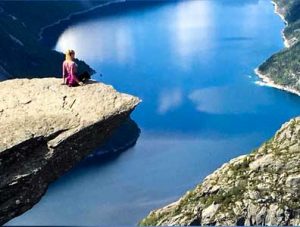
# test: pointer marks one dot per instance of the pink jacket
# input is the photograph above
(69, 72)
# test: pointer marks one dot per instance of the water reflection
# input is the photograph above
(117, 47)
(192, 28)
(193, 61)
(225, 100)
(169, 99)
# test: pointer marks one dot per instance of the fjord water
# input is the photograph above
(191, 62)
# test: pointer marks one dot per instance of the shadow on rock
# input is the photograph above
(120, 140)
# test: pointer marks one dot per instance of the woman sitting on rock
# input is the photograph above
(70, 70)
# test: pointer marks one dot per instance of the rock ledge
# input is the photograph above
(46, 128)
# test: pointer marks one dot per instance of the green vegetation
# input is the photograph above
(20, 23)
(151, 220)
(284, 67)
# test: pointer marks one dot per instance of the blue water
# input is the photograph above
(191, 62)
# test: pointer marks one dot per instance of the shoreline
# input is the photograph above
(264, 79)
(276, 11)
(267, 81)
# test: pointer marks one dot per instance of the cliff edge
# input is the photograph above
(262, 188)
(45, 129)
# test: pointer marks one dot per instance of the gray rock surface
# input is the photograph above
(46, 128)
(262, 188)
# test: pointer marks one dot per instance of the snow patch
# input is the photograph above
(12, 17)
(16, 40)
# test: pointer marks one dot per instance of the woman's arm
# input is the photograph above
(64, 72)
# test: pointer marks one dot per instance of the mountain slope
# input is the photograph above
(283, 68)
(261, 188)
(22, 55)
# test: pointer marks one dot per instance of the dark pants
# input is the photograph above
(83, 77)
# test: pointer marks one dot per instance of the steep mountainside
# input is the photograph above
(22, 55)
(261, 188)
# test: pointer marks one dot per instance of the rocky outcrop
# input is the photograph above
(262, 188)
(46, 128)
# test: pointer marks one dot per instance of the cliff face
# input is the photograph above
(261, 188)
(46, 128)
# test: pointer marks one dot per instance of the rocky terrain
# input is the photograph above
(262, 188)
(46, 128)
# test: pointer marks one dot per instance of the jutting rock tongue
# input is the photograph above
(46, 128)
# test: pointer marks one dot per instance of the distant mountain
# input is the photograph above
(283, 68)
(22, 55)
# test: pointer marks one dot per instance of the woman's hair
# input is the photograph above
(69, 54)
